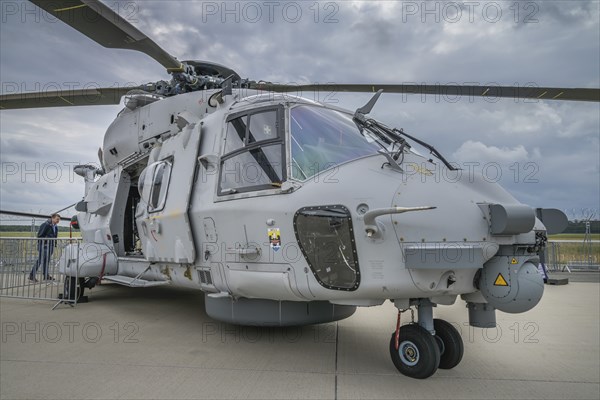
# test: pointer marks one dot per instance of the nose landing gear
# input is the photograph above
(452, 348)
(418, 354)
(419, 349)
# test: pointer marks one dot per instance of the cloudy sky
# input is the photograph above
(548, 152)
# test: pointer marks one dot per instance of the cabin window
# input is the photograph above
(254, 152)
(154, 183)
(159, 186)
(326, 239)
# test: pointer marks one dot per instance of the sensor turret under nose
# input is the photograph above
(512, 283)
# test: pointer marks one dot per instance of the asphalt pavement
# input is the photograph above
(158, 343)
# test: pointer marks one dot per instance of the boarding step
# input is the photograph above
(133, 282)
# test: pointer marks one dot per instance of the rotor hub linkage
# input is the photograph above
(187, 80)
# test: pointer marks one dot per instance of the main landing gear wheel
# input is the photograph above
(451, 344)
(418, 353)
(73, 288)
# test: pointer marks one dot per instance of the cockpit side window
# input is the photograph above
(254, 153)
(321, 138)
(235, 137)
(263, 126)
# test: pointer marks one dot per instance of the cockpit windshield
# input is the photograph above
(322, 138)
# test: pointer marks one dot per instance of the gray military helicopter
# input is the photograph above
(250, 194)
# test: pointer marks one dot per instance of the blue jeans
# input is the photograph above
(45, 254)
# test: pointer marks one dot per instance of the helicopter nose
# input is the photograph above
(450, 216)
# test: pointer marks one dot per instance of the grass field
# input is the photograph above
(567, 253)
(573, 236)
(575, 251)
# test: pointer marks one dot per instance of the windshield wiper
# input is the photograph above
(429, 147)
(394, 136)
(391, 136)
(362, 123)
(392, 158)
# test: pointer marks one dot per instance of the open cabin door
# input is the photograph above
(165, 188)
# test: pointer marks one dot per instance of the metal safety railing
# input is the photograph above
(568, 255)
(553, 256)
(31, 268)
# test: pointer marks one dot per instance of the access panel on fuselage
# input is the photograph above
(165, 187)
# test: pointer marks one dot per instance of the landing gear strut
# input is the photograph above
(419, 349)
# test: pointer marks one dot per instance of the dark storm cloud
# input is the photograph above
(17, 149)
(565, 12)
(360, 42)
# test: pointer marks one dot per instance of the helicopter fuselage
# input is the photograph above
(281, 199)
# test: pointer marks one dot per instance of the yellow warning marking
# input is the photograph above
(558, 95)
(514, 261)
(420, 169)
(177, 69)
(69, 8)
(486, 91)
(500, 281)
(542, 95)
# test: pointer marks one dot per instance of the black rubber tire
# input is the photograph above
(81, 288)
(453, 344)
(72, 288)
(418, 355)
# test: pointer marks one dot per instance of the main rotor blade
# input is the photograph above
(449, 91)
(103, 25)
(64, 98)
(32, 215)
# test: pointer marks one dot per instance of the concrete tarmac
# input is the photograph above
(577, 276)
(158, 343)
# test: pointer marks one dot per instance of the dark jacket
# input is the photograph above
(47, 230)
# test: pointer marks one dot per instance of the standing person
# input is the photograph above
(47, 233)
